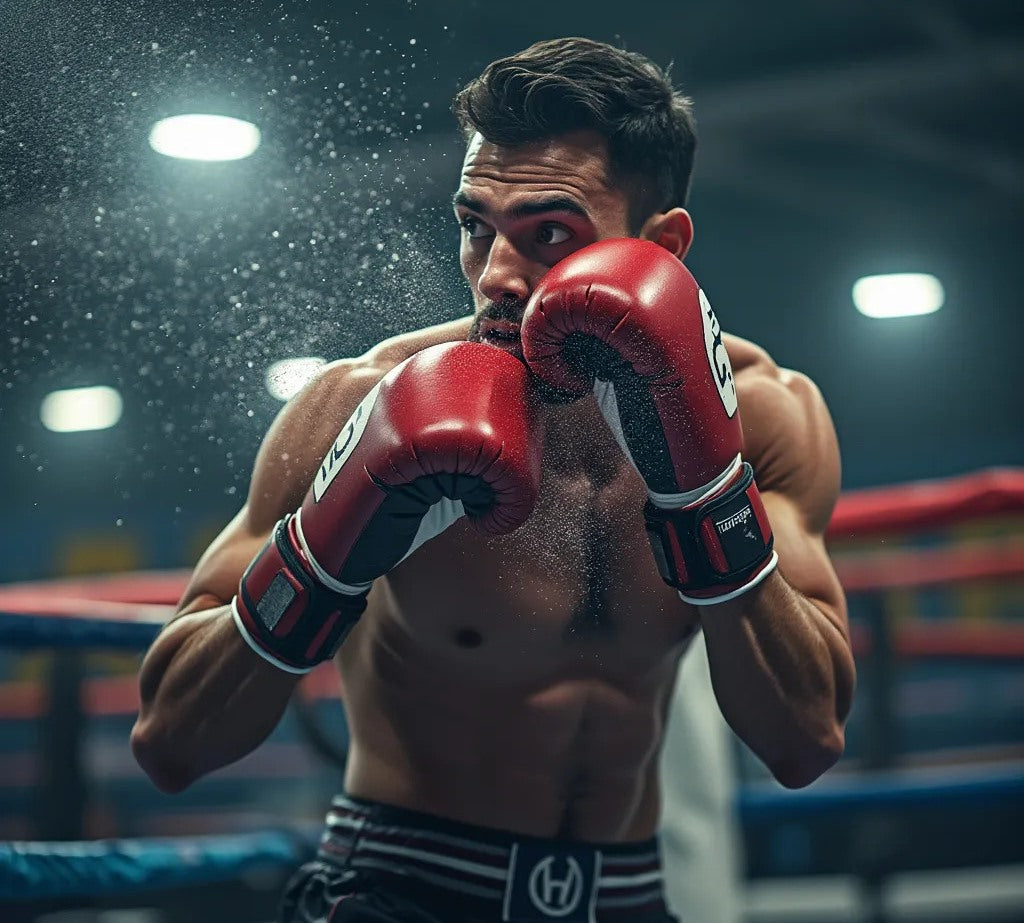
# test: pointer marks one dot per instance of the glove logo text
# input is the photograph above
(343, 446)
(736, 519)
(718, 358)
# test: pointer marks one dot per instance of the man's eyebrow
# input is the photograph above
(526, 209)
(554, 204)
(467, 201)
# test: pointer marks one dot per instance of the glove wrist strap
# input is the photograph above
(715, 549)
(284, 613)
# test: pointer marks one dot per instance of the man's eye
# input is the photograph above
(474, 227)
(552, 234)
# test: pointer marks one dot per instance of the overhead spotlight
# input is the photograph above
(204, 137)
(74, 410)
(287, 377)
(900, 294)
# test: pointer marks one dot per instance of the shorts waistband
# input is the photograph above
(514, 878)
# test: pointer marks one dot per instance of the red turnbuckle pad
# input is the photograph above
(717, 548)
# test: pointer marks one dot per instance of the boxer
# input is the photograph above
(505, 530)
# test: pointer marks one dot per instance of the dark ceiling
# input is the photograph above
(837, 139)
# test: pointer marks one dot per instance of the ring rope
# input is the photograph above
(38, 870)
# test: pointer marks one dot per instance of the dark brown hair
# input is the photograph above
(569, 84)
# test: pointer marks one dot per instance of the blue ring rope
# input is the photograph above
(33, 871)
(760, 803)
(33, 631)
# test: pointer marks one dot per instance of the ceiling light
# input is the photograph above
(899, 294)
(76, 409)
(204, 137)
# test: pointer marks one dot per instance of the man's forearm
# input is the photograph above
(207, 699)
(783, 676)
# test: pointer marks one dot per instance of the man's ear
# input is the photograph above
(672, 230)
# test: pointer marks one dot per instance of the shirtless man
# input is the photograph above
(467, 529)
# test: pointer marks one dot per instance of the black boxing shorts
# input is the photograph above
(381, 864)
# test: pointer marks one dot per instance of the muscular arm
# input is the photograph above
(206, 698)
(780, 656)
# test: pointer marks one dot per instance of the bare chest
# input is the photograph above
(574, 591)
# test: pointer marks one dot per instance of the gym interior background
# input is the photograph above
(837, 141)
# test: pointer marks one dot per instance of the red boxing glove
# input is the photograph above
(626, 319)
(449, 432)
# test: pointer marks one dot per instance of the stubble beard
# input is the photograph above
(507, 310)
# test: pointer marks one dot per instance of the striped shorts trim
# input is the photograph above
(508, 877)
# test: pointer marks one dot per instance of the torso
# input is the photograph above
(522, 682)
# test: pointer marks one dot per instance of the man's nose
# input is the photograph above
(508, 274)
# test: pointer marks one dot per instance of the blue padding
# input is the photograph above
(880, 790)
(34, 871)
(27, 631)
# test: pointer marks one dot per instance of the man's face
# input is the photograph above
(521, 210)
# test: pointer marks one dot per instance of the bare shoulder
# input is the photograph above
(398, 348)
(304, 430)
(743, 354)
(788, 434)
(302, 433)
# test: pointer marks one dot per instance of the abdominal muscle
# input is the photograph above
(521, 683)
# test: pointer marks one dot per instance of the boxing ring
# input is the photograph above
(884, 548)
